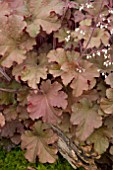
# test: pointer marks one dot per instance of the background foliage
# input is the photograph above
(56, 68)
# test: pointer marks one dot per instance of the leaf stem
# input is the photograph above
(10, 90)
(93, 28)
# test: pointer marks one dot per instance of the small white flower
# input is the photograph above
(80, 71)
(108, 45)
(106, 65)
(67, 39)
(109, 56)
(105, 50)
(105, 26)
(110, 63)
(105, 56)
(87, 56)
(93, 54)
(110, 11)
(82, 32)
(68, 31)
(105, 76)
(108, 20)
(98, 70)
(89, 5)
(103, 19)
(111, 31)
(98, 24)
(77, 29)
(98, 53)
(101, 26)
(81, 7)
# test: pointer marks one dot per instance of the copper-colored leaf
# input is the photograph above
(30, 71)
(86, 117)
(37, 143)
(14, 43)
(66, 65)
(39, 17)
(107, 103)
(43, 103)
(109, 80)
(100, 138)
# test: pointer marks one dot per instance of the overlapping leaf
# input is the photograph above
(10, 114)
(37, 141)
(109, 80)
(13, 130)
(84, 31)
(30, 71)
(46, 43)
(44, 102)
(6, 97)
(14, 43)
(107, 103)
(39, 17)
(85, 116)
(65, 64)
(61, 34)
(100, 139)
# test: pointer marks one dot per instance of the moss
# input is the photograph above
(14, 160)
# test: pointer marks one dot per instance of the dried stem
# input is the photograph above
(4, 74)
(10, 90)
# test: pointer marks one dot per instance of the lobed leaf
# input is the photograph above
(14, 43)
(100, 139)
(85, 116)
(37, 141)
(30, 71)
(66, 65)
(107, 103)
(44, 102)
(39, 17)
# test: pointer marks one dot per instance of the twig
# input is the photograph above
(4, 74)
(10, 90)
(70, 151)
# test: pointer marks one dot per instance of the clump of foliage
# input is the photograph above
(56, 69)
(20, 163)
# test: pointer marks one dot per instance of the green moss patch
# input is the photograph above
(14, 160)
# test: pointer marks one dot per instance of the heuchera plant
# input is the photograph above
(56, 60)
